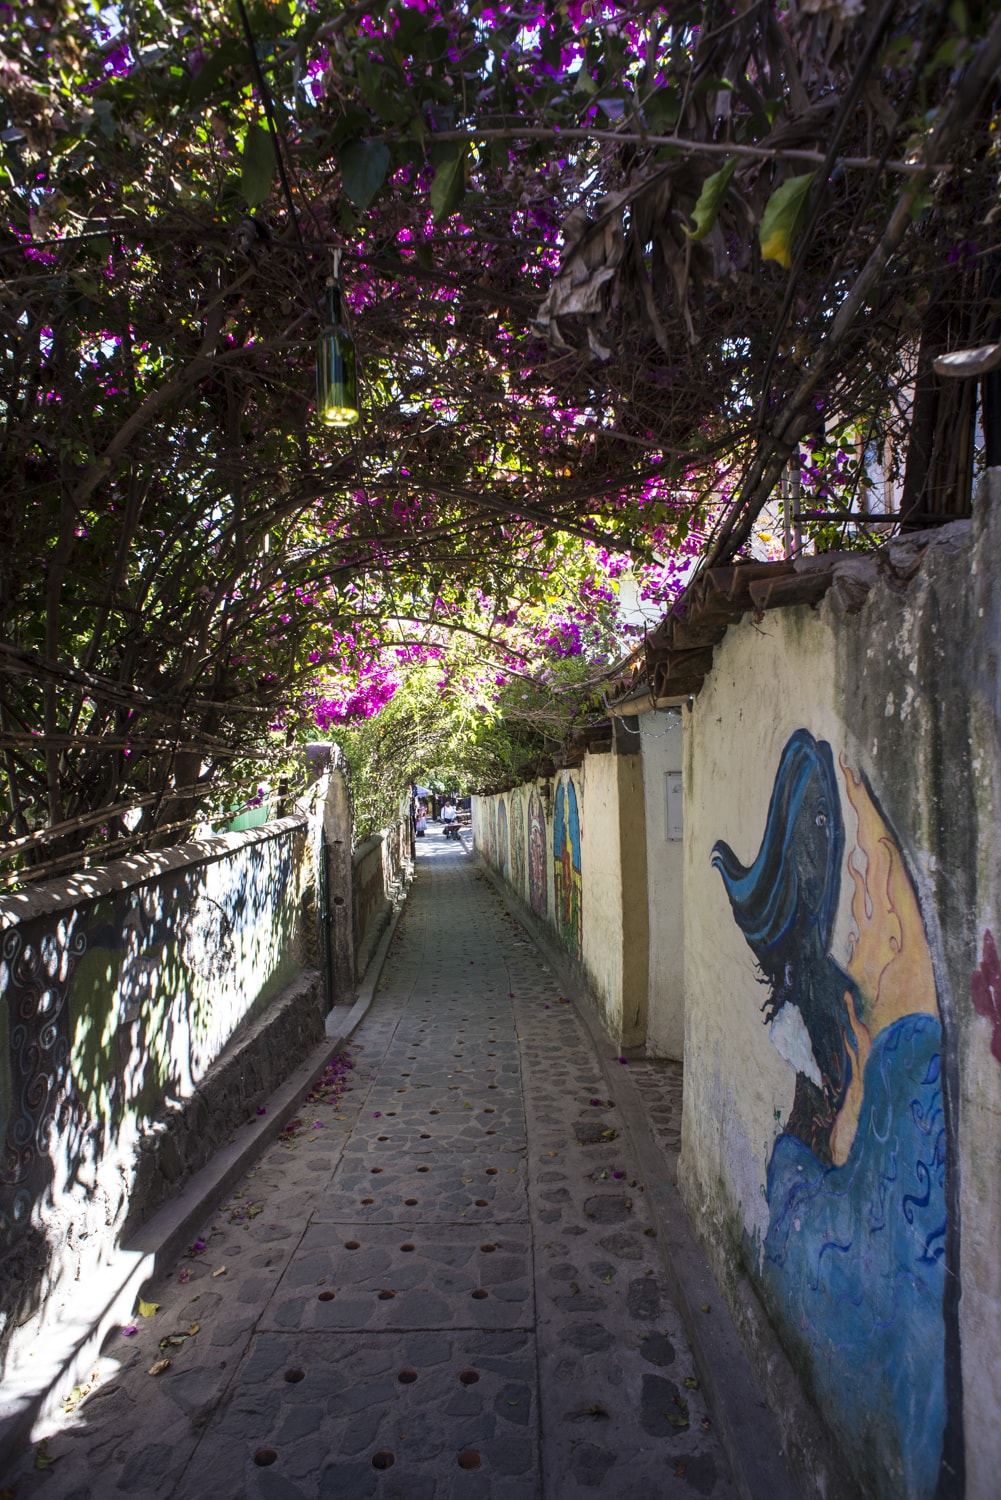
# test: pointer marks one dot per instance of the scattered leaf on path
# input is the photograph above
(148, 1309)
(159, 1367)
(43, 1458)
(221, 1271)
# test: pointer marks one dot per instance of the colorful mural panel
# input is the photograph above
(854, 1266)
(566, 866)
(518, 850)
(537, 893)
(503, 846)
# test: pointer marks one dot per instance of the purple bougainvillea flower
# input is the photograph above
(618, 1174)
(317, 1124)
(261, 1110)
(377, 1114)
(198, 1246)
(129, 1330)
(184, 1275)
(624, 1060)
(596, 1101)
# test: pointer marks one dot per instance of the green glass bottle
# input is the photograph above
(336, 374)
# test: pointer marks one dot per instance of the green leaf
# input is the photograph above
(258, 168)
(661, 110)
(212, 69)
(449, 185)
(711, 197)
(363, 165)
(781, 218)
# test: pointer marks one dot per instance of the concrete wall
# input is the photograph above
(661, 745)
(574, 851)
(119, 990)
(842, 884)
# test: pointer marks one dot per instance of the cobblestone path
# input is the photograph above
(447, 1287)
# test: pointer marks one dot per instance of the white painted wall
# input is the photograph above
(661, 739)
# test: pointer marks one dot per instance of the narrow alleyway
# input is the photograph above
(446, 1285)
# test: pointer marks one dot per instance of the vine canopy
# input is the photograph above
(607, 266)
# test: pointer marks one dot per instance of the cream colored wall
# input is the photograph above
(661, 740)
(601, 882)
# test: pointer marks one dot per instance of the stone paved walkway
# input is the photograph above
(446, 1286)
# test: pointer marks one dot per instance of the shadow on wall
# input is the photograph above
(860, 1265)
(115, 1009)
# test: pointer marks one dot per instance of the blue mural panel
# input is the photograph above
(566, 866)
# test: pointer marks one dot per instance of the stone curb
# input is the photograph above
(745, 1426)
(164, 1236)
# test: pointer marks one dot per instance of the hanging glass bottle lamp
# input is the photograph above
(336, 373)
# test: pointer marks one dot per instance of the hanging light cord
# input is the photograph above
(277, 140)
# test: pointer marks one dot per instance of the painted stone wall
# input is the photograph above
(843, 1002)
(574, 853)
(118, 991)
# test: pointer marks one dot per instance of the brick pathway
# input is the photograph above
(444, 1286)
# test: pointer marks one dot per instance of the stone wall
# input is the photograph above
(842, 886)
(119, 991)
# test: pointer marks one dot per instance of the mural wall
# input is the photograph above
(853, 1261)
(538, 864)
(842, 778)
(567, 883)
(519, 843)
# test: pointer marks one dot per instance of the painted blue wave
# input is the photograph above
(854, 1262)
